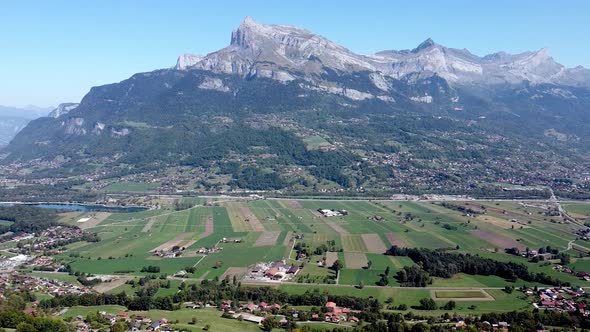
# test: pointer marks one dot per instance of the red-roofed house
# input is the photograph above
(251, 307)
(29, 311)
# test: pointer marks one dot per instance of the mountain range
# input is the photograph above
(13, 119)
(284, 108)
(286, 53)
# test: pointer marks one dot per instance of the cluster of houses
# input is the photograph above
(273, 271)
(536, 253)
(584, 234)
(55, 235)
(45, 263)
(336, 314)
(250, 312)
(21, 237)
(497, 327)
(256, 313)
(48, 239)
(169, 253)
(559, 299)
(332, 212)
(138, 323)
(16, 282)
(209, 250)
(581, 274)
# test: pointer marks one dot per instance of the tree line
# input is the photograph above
(212, 291)
(443, 264)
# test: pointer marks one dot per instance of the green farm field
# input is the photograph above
(268, 230)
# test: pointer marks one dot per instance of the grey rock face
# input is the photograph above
(284, 53)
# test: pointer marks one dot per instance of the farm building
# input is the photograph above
(332, 213)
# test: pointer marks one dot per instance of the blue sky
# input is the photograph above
(54, 51)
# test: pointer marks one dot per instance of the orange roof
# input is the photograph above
(29, 311)
(330, 305)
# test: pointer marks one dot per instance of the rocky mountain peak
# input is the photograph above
(424, 45)
(285, 53)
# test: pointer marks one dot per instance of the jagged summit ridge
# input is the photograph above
(280, 52)
(285, 53)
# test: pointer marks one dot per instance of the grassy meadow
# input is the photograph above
(267, 229)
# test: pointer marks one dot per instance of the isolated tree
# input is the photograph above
(427, 304)
(369, 264)
(451, 305)
(337, 266)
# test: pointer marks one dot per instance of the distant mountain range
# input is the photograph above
(284, 108)
(13, 119)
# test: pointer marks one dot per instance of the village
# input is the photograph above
(15, 282)
(35, 250)
(51, 238)
(256, 313)
(249, 312)
(559, 299)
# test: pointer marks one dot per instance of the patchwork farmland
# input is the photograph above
(229, 237)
